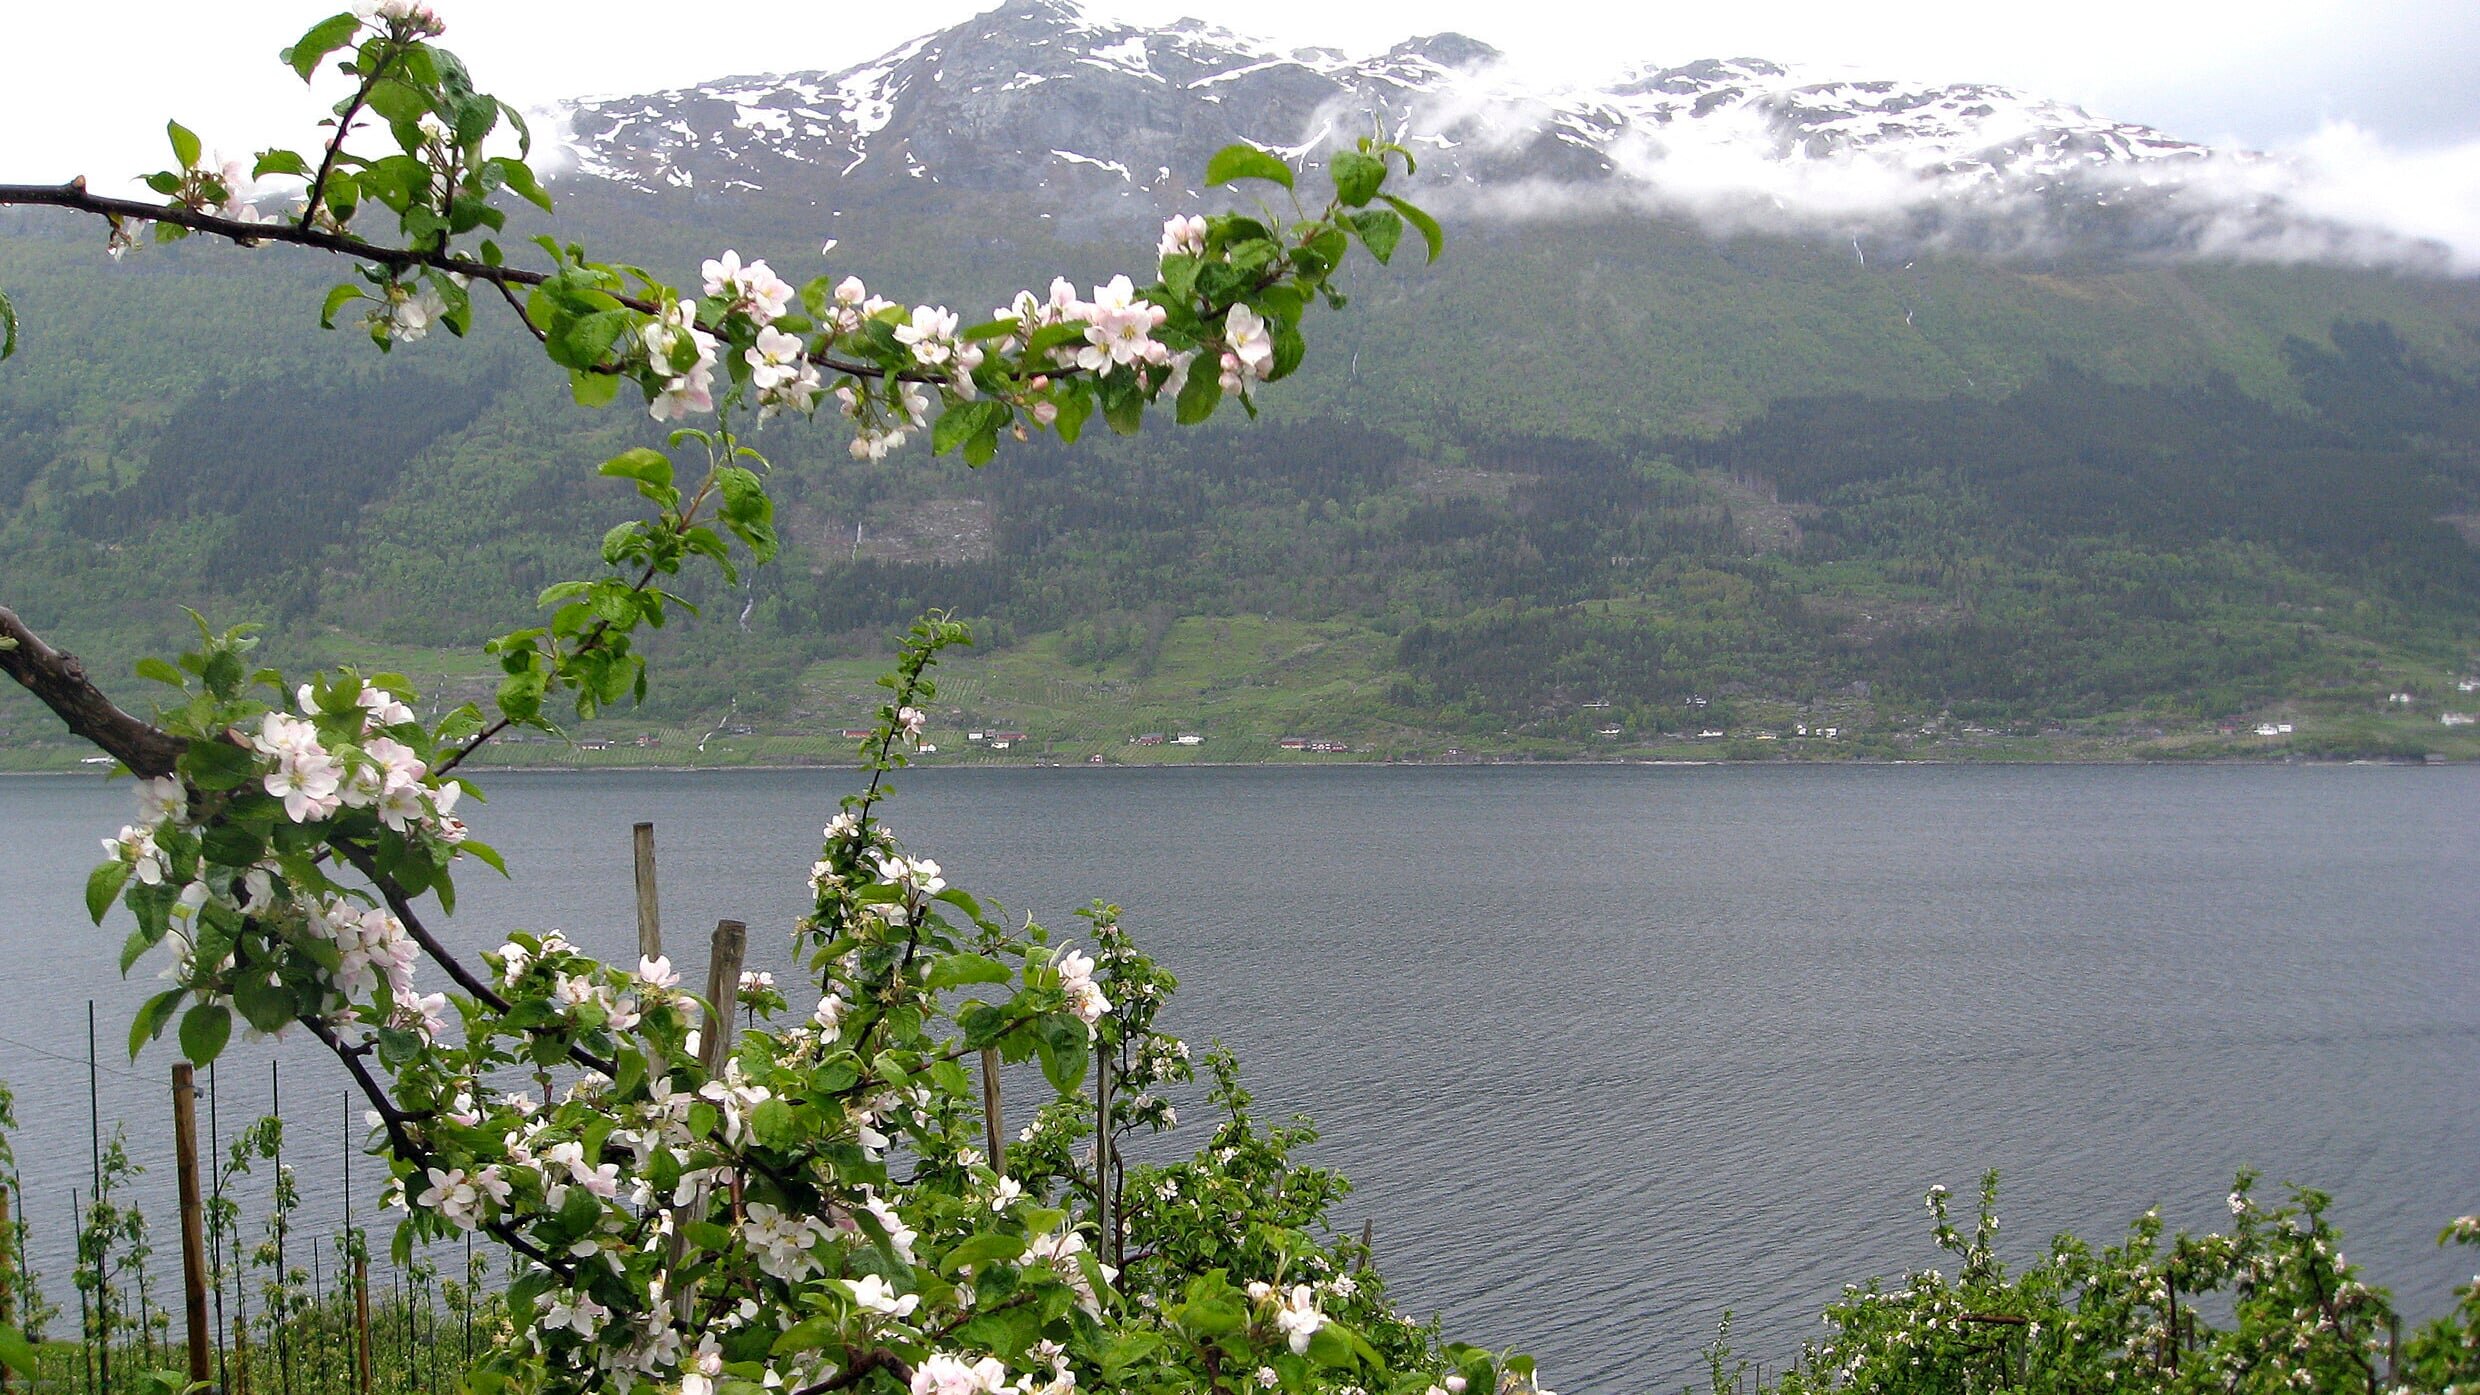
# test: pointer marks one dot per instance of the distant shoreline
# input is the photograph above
(1488, 762)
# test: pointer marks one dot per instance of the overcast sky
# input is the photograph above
(86, 90)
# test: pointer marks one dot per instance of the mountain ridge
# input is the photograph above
(1107, 120)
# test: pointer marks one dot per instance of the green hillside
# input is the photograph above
(1578, 489)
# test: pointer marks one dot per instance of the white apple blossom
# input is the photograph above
(161, 798)
(872, 1293)
(930, 334)
(1299, 1319)
(136, 846)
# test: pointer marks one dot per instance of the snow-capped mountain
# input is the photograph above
(1040, 97)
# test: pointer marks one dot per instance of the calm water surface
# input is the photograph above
(1606, 1050)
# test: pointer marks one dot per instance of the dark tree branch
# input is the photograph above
(466, 978)
(402, 1142)
(61, 682)
(875, 1359)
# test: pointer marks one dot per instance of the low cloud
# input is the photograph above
(2003, 183)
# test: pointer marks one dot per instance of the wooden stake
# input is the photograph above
(723, 992)
(193, 1221)
(992, 1128)
(649, 910)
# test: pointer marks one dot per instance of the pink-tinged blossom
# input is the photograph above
(943, 1374)
(1076, 979)
(703, 1368)
(1120, 329)
(452, 1194)
(382, 708)
(1183, 235)
(657, 973)
(1249, 354)
(754, 290)
(909, 723)
(830, 1014)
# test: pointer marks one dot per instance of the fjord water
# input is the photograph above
(1607, 1050)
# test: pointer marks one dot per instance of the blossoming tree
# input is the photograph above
(809, 1205)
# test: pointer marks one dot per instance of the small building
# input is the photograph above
(997, 745)
(1151, 738)
(858, 733)
(2456, 719)
(1009, 737)
(1293, 743)
(973, 736)
(1095, 759)
(2400, 699)
(1188, 738)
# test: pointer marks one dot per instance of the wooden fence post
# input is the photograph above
(1106, 1215)
(649, 909)
(193, 1220)
(992, 1129)
(723, 993)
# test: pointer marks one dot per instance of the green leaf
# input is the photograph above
(643, 464)
(266, 1006)
(184, 144)
(8, 327)
(963, 422)
(1380, 230)
(103, 887)
(1427, 226)
(520, 177)
(218, 765)
(337, 299)
(592, 389)
(774, 1123)
(989, 1247)
(135, 947)
(1357, 177)
(1200, 395)
(809, 1334)
(324, 38)
(280, 162)
(149, 1023)
(204, 1030)
(1237, 162)
(965, 967)
(161, 672)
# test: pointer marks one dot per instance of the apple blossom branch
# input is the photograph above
(119, 212)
